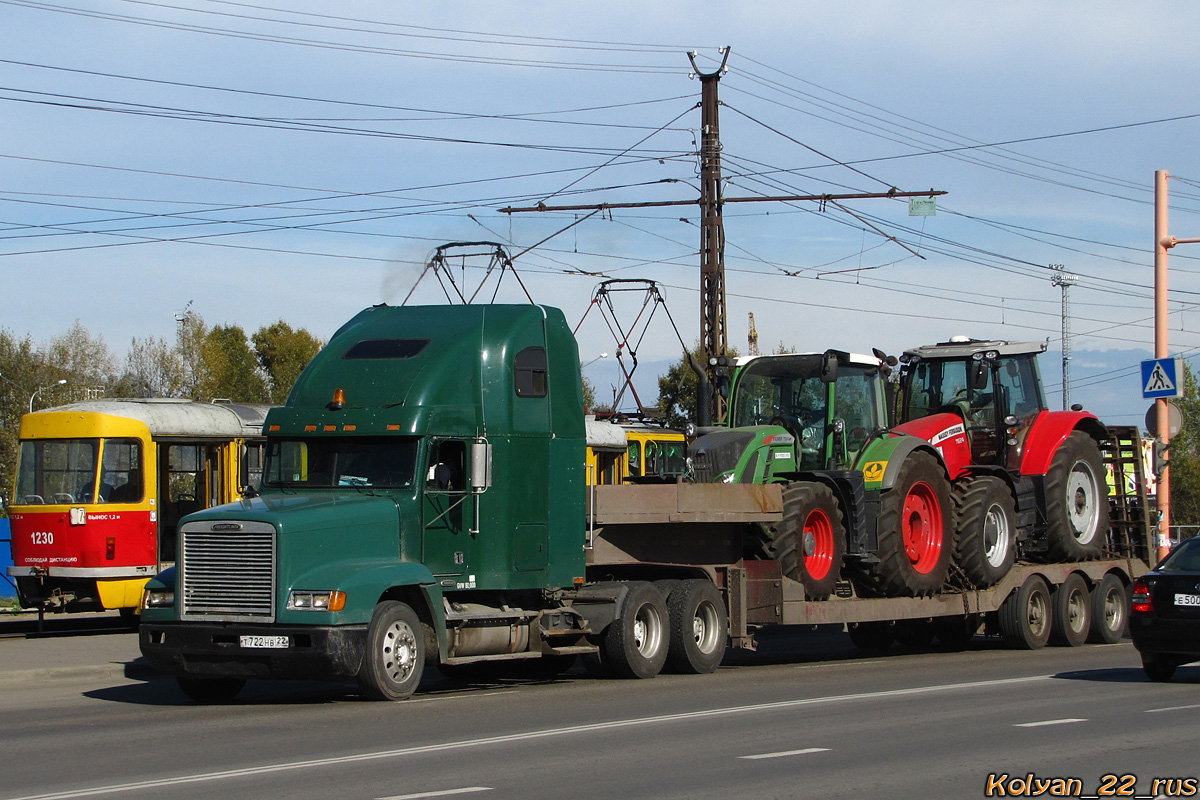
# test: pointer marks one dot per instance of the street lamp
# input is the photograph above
(40, 389)
(593, 361)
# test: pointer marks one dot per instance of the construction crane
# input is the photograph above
(752, 337)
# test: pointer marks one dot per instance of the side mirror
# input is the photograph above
(829, 367)
(481, 466)
(979, 375)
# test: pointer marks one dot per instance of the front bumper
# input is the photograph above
(214, 650)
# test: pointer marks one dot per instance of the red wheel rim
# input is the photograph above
(817, 525)
(922, 527)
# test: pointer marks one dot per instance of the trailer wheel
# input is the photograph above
(699, 627)
(210, 691)
(1025, 616)
(986, 523)
(914, 633)
(635, 644)
(1072, 608)
(915, 533)
(395, 653)
(810, 541)
(1110, 610)
(1158, 667)
(1076, 504)
(871, 636)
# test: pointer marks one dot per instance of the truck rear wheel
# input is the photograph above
(395, 653)
(210, 691)
(699, 627)
(1076, 504)
(810, 541)
(1110, 610)
(635, 644)
(915, 533)
(1072, 612)
(1025, 616)
(985, 523)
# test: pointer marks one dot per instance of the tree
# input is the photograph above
(283, 354)
(153, 368)
(229, 368)
(84, 360)
(677, 389)
(1185, 456)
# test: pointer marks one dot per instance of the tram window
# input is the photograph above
(57, 471)
(121, 479)
(251, 473)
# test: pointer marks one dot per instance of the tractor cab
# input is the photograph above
(993, 386)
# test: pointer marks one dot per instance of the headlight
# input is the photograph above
(158, 598)
(316, 601)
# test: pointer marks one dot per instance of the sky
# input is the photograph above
(261, 160)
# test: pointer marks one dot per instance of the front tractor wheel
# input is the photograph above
(810, 541)
(986, 521)
(1076, 501)
(915, 533)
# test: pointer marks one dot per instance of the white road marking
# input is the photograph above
(1046, 722)
(290, 766)
(443, 793)
(786, 753)
(1172, 708)
(458, 696)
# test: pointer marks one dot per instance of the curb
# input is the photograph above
(138, 670)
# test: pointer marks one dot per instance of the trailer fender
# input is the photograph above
(1049, 431)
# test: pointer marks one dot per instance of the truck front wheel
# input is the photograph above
(395, 653)
(635, 644)
(209, 691)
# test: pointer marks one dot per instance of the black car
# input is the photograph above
(1165, 618)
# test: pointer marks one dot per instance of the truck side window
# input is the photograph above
(530, 372)
(447, 466)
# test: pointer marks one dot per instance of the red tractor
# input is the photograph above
(1027, 481)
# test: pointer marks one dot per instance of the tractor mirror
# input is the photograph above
(829, 367)
(979, 375)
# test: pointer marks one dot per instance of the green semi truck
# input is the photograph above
(424, 502)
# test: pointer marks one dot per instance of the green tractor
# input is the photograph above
(860, 501)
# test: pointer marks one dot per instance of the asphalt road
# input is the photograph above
(807, 716)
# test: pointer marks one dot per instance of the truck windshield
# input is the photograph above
(326, 463)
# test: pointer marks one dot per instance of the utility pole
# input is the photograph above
(1064, 280)
(713, 337)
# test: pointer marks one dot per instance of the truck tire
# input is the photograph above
(1025, 616)
(914, 633)
(955, 632)
(915, 533)
(395, 653)
(1072, 609)
(211, 691)
(635, 644)
(1076, 501)
(810, 541)
(1110, 610)
(699, 627)
(985, 521)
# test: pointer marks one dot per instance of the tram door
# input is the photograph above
(191, 476)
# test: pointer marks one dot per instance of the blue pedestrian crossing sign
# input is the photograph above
(1162, 377)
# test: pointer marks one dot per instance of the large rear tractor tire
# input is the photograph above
(1076, 501)
(1072, 608)
(1025, 617)
(395, 654)
(986, 523)
(1110, 610)
(699, 627)
(810, 541)
(915, 533)
(635, 644)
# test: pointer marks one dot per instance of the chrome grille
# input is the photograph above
(227, 574)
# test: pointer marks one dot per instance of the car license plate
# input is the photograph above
(1187, 599)
(267, 642)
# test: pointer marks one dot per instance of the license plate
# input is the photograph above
(267, 642)
(1187, 599)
